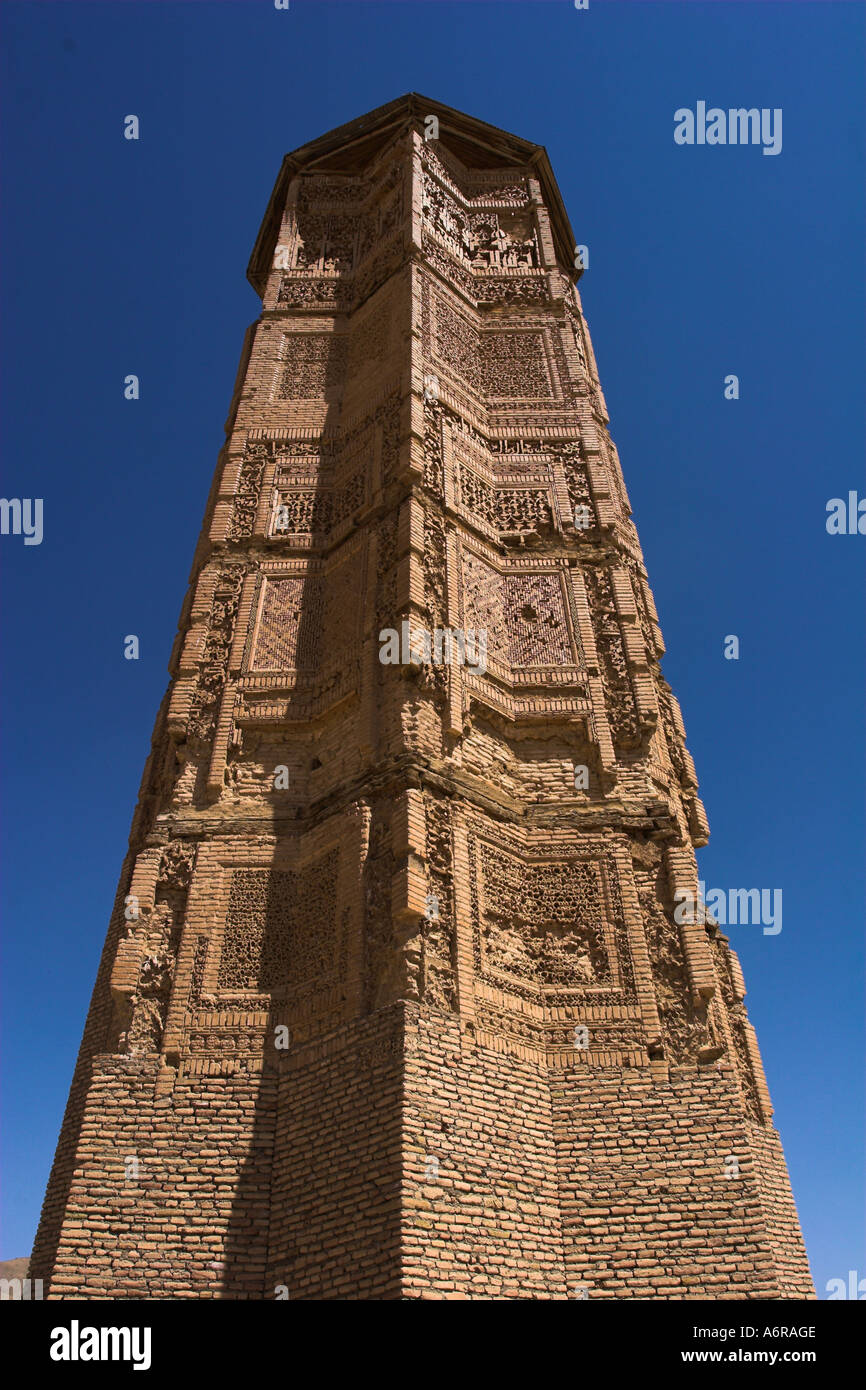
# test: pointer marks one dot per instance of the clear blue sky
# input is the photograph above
(120, 257)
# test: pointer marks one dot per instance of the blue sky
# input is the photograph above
(123, 257)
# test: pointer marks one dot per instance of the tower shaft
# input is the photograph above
(394, 1001)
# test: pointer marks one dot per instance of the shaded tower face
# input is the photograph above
(395, 1001)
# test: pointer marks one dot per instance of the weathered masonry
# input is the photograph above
(393, 1003)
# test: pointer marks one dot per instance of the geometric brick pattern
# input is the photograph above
(290, 625)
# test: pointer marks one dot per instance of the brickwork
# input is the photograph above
(338, 1159)
(393, 1002)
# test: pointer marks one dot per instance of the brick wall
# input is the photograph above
(335, 1198)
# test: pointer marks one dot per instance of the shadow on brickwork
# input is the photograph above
(246, 1244)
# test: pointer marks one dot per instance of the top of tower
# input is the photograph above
(349, 148)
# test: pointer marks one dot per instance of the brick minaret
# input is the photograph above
(394, 1002)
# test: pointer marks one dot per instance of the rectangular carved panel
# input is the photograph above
(289, 624)
(280, 928)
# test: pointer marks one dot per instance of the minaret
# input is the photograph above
(395, 1001)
